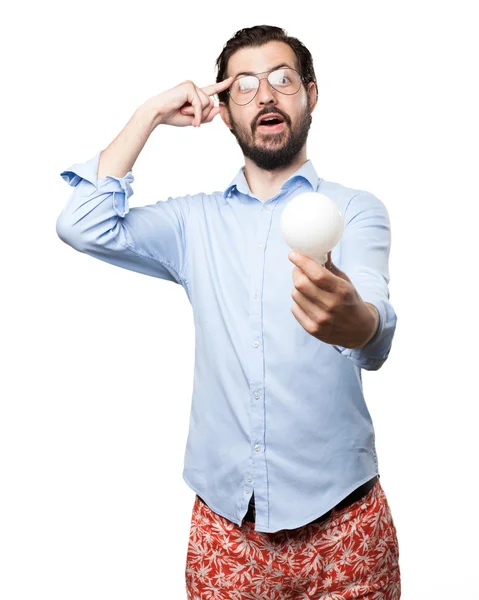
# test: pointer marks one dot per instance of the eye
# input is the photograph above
(283, 78)
(245, 84)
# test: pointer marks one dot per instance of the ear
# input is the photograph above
(313, 97)
(224, 114)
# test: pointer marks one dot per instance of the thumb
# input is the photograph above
(329, 263)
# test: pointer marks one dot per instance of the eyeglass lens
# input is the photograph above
(244, 89)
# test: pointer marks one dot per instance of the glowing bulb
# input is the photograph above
(312, 224)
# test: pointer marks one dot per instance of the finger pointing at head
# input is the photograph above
(217, 87)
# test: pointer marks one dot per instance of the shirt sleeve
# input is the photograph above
(97, 220)
(364, 251)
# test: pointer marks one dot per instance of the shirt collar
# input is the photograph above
(306, 171)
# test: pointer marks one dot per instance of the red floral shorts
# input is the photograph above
(352, 554)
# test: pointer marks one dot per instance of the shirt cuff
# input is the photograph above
(119, 187)
(373, 354)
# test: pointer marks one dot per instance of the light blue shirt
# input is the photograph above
(274, 410)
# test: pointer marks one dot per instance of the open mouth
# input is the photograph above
(271, 124)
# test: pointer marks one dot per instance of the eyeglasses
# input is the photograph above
(244, 89)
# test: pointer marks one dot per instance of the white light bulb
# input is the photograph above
(312, 224)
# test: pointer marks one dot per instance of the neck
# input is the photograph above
(267, 184)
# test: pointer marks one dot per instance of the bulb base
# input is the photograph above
(321, 258)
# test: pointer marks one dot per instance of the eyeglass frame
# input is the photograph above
(301, 78)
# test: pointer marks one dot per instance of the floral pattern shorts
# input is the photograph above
(352, 554)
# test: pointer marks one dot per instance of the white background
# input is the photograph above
(98, 361)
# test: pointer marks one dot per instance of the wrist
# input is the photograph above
(373, 311)
(150, 114)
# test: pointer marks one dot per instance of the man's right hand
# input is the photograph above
(171, 106)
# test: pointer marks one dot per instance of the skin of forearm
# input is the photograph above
(120, 156)
(375, 315)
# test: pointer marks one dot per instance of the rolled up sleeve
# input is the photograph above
(98, 221)
(364, 251)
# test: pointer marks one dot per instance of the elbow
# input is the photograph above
(67, 233)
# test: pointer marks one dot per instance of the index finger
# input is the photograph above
(217, 87)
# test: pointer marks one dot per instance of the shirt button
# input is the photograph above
(257, 447)
(115, 201)
(256, 395)
(249, 478)
(298, 184)
(256, 295)
(247, 490)
(256, 343)
(259, 247)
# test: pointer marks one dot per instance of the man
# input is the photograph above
(281, 447)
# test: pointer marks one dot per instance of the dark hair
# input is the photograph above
(257, 36)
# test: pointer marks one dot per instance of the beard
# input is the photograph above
(274, 150)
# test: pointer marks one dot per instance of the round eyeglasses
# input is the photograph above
(244, 89)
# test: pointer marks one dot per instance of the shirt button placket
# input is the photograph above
(256, 382)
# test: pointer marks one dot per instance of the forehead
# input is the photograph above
(261, 58)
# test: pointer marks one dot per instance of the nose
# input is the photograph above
(265, 94)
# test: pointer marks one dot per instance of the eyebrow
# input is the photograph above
(272, 69)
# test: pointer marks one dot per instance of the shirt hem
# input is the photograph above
(308, 520)
(313, 518)
(219, 512)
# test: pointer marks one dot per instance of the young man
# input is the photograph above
(281, 446)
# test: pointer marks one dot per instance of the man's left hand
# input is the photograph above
(328, 306)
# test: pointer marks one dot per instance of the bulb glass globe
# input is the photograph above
(312, 224)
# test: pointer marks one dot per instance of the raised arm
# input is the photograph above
(97, 219)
